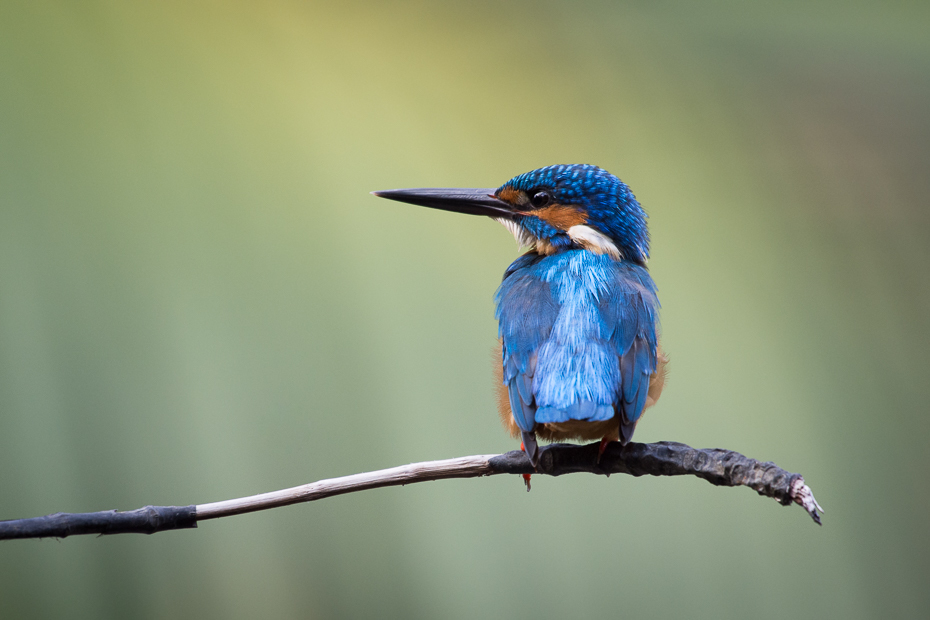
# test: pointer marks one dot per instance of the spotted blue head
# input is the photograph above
(553, 209)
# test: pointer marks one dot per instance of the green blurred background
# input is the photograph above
(200, 300)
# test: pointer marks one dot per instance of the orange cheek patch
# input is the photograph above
(511, 195)
(562, 217)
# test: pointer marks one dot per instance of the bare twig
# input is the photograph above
(719, 467)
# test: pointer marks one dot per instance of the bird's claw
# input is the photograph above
(526, 477)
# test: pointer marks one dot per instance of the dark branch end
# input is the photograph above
(147, 520)
(667, 458)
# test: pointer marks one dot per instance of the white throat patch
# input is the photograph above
(524, 238)
(594, 241)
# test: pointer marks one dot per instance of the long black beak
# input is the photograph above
(460, 200)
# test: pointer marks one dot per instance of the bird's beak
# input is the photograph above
(460, 200)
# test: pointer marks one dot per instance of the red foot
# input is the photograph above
(526, 477)
(600, 449)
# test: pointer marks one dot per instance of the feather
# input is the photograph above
(530, 447)
(626, 432)
(584, 410)
(523, 413)
(603, 412)
(548, 415)
(627, 370)
(641, 392)
(524, 384)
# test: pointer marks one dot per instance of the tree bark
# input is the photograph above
(665, 458)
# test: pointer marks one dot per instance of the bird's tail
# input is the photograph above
(626, 432)
(530, 447)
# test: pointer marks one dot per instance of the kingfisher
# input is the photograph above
(578, 312)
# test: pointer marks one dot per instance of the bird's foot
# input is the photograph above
(600, 449)
(526, 477)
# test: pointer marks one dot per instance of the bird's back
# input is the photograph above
(578, 332)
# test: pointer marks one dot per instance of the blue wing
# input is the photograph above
(632, 311)
(526, 310)
(579, 338)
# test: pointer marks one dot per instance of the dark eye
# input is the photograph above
(540, 199)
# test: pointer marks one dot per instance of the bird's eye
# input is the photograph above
(539, 199)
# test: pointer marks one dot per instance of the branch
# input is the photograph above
(665, 458)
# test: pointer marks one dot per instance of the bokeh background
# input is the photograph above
(200, 300)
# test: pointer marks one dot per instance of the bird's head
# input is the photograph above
(552, 209)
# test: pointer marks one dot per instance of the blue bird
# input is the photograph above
(578, 313)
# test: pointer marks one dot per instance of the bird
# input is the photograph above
(578, 312)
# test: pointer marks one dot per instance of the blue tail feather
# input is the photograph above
(642, 392)
(525, 387)
(523, 413)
